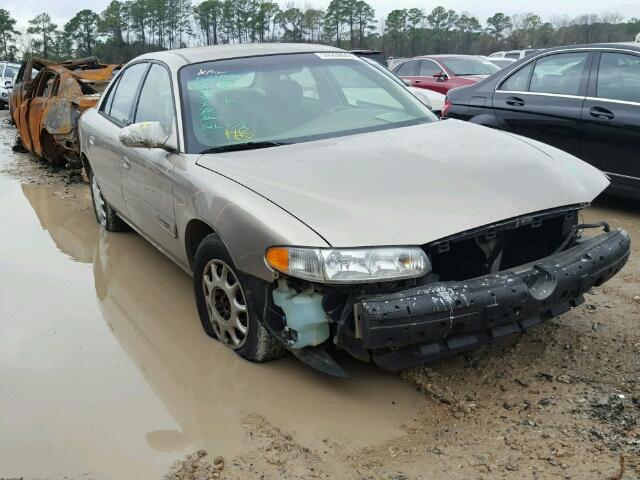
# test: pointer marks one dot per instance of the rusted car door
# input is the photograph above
(36, 107)
(26, 76)
(22, 114)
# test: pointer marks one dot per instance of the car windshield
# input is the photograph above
(281, 99)
(462, 66)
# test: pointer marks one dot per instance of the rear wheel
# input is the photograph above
(105, 215)
(226, 305)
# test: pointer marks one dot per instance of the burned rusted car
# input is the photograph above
(47, 101)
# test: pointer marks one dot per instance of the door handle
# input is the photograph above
(515, 102)
(92, 140)
(601, 113)
(417, 81)
(125, 162)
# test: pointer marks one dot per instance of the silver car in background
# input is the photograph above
(319, 205)
(8, 72)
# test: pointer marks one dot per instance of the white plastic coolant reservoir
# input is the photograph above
(304, 314)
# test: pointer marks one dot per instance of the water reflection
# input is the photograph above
(147, 302)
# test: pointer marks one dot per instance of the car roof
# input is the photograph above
(625, 45)
(220, 52)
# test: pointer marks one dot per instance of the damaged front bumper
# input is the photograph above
(422, 324)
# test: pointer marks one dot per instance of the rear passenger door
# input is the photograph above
(543, 99)
(611, 118)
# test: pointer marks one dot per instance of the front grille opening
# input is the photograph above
(520, 243)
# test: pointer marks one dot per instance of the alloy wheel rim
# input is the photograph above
(226, 304)
(98, 202)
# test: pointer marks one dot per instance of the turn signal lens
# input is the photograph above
(350, 265)
(446, 108)
(278, 258)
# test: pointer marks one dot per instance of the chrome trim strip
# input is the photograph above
(516, 92)
(622, 176)
(611, 100)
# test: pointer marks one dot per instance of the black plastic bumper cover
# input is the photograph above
(422, 324)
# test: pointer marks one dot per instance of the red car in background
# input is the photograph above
(444, 72)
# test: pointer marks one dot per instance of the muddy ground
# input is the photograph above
(105, 373)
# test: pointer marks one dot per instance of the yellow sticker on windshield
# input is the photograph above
(238, 132)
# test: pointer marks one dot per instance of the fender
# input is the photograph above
(486, 119)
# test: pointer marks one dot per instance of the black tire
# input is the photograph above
(108, 218)
(258, 343)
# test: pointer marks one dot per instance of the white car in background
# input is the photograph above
(501, 62)
(8, 72)
(514, 54)
(433, 100)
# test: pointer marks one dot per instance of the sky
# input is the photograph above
(62, 10)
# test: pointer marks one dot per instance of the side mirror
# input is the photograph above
(407, 82)
(441, 76)
(147, 135)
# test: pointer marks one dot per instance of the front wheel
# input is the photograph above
(105, 215)
(226, 305)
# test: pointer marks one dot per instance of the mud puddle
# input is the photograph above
(105, 369)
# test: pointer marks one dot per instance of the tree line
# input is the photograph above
(125, 29)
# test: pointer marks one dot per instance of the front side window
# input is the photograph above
(124, 94)
(619, 77)
(519, 81)
(428, 68)
(290, 99)
(156, 99)
(461, 66)
(559, 74)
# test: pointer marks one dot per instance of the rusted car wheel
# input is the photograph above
(225, 304)
(105, 215)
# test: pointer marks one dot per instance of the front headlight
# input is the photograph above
(349, 265)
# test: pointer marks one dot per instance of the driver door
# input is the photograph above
(147, 173)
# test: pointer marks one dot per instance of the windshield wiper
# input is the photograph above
(238, 147)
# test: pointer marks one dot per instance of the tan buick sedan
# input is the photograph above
(319, 206)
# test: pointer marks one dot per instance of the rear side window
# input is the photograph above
(619, 77)
(125, 92)
(407, 69)
(156, 99)
(514, 55)
(519, 81)
(559, 74)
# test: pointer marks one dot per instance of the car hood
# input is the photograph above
(411, 185)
